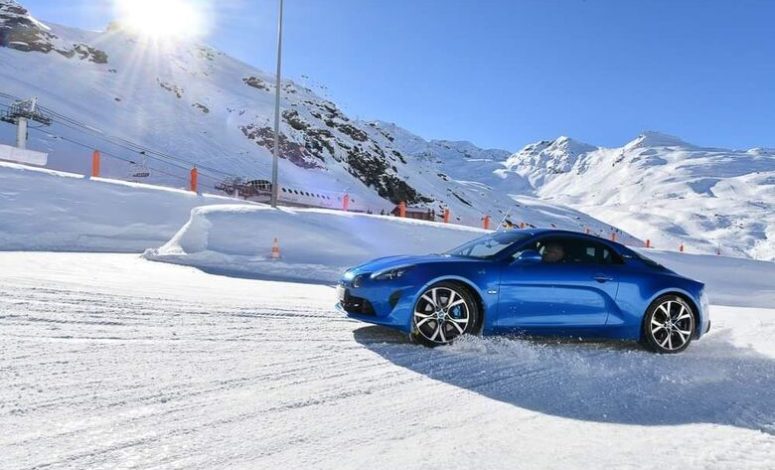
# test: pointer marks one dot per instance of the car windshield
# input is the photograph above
(488, 246)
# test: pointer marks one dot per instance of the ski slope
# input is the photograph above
(110, 361)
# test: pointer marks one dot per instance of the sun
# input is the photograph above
(162, 18)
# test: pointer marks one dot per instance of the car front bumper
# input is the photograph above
(388, 304)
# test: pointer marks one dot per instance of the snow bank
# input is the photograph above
(316, 244)
(54, 211)
(729, 281)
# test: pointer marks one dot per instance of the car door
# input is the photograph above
(578, 290)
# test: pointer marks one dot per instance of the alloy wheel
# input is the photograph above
(441, 315)
(671, 325)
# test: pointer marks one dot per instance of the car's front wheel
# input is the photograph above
(668, 326)
(442, 313)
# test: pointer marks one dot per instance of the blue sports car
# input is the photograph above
(533, 282)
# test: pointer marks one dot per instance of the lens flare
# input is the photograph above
(162, 18)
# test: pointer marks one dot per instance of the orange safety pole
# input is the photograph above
(276, 249)
(95, 163)
(613, 236)
(681, 248)
(346, 202)
(586, 230)
(446, 215)
(194, 179)
(486, 222)
(402, 209)
(648, 243)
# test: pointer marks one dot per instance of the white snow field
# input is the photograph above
(43, 209)
(111, 361)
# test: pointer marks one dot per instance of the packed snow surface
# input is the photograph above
(112, 361)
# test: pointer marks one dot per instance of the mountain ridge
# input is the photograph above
(190, 99)
(196, 104)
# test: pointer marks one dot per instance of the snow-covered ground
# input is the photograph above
(110, 361)
(43, 209)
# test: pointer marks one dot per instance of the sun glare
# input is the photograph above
(162, 18)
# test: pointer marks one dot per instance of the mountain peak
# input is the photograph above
(568, 145)
(21, 31)
(656, 139)
(13, 14)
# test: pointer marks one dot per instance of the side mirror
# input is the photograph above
(529, 257)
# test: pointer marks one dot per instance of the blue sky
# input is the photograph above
(504, 73)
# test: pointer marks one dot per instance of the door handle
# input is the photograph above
(602, 278)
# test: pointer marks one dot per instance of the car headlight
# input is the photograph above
(391, 274)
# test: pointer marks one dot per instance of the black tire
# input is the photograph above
(454, 313)
(668, 326)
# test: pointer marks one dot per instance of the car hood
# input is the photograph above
(388, 262)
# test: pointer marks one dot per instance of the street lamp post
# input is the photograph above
(276, 156)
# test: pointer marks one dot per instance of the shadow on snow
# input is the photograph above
(711, 382)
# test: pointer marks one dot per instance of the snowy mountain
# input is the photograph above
(663, 189)
(173, 104)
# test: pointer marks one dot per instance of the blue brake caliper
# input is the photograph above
(455, 312)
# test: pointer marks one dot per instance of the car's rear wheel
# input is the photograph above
(668, 326)
(442, 313)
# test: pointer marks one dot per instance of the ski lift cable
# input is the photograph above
(126, 145)
(117, 141)
(129, 145)
(109, 154)
(177, 162)
(122, 158)
(121, 142)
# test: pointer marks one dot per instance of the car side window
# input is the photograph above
(573, 250)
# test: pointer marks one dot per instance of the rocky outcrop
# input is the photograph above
(171, 87)
(20, 31)
(84, 52)
(373, 171)
(289, 150)
(256, 82)
(201, 107)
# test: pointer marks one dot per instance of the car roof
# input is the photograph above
(560, 232)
